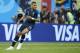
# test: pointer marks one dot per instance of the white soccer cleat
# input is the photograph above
(19, 46)
(10, 48)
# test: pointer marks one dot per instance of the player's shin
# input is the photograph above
(21, 41)
(22, 38)
(15, 40)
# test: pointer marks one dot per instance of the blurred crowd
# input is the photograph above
(62, 15)
(69, 15)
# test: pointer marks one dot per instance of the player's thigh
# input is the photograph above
(25, 30)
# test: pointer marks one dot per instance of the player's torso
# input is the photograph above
(33, 14)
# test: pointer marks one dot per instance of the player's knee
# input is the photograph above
(25, 31)
(19, 34)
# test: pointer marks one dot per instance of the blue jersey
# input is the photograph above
(29, 23)
(32, 13)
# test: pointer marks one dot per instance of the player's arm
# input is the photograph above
(21, 18)
(35, 19)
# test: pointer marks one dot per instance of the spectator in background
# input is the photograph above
(54, 16)
(70, 17)
(62, 15)
(44, 14)
(75, 10)
(78, 16)
(74, 5)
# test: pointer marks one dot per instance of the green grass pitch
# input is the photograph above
(43, 47)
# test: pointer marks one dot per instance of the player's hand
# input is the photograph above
(29, 17)
(35, 19)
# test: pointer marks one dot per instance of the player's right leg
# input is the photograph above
(16, 38)
(22, 38)
(14, 42)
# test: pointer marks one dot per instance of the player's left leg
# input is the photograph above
(21, 42)
(20, 33)
(14, 42)
(22, 38)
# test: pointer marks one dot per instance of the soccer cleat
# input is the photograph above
(19, 46)
(10, 48)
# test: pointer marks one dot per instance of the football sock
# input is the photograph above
(22, 38)
(15, 40)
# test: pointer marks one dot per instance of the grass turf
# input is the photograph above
(43, 47)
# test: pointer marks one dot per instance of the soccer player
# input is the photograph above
(27, 25)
